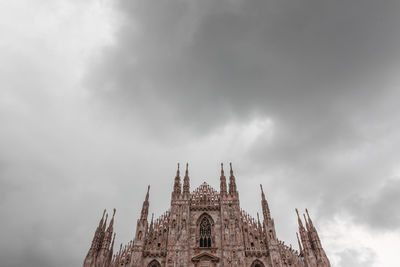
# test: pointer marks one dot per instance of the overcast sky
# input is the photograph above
(99, 98)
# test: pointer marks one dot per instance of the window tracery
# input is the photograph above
(205, 233)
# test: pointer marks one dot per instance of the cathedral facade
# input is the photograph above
(206, 228)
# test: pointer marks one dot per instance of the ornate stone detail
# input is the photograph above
(206, 228)
(205, 198)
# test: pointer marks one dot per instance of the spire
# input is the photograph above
(258, 222)
(186, 182)
(151, 228)
(108, 233)
(145, 207)
(298, 241)
(313, 233)
(316, 242)
(102, 233)
(298, 219)
(304, 235)
(307, 225)
(105, 223)
(96, 237)
(111, 225)
(264, 204)
(147, 194)
(222, 179)
(112, 243)
(102, 219)
(151, 224)
(232, 182)
(177, 183)
(309, 219)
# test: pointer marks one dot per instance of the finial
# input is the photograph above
(230, 165)
(187, 169)
(114, 212)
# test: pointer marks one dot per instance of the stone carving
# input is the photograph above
(206, 228)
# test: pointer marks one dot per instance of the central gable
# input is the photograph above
(204, 197)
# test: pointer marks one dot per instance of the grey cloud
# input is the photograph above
(178, 71)
(381, 209)
(321, 70)
(201, 63)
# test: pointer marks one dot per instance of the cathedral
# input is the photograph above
(206, 228)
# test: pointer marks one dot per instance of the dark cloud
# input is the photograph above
(323, 72)
(185, 80)
(197, 64)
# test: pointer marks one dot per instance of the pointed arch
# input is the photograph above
(205, 233)
(257, 263)
(154, 263)
(205, 214)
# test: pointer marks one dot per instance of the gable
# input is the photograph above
(205, 256)
(204, 195)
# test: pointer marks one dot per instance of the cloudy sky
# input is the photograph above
(99, 98)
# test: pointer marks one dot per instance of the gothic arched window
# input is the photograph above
(205, 233)
(154, 263)
(257, 263)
